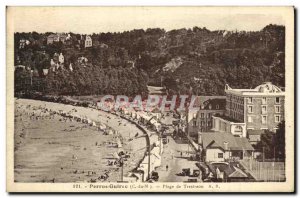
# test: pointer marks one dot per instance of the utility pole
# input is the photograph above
(122, 168)
(159, 139)
(187, 126)
(149, 153)
(149, 162)
(187, 123)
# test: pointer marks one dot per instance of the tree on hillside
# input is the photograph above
(243, 59)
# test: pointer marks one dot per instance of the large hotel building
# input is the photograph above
(260, 108)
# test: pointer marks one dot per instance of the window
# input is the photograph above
(250, 119)
(250, 100)
(277, 118)
(264, 119)
(264, 100)
(277, 100)
(202, 123)
(250, 109)
(217, 106)
(263, 109)
(194, 123)
(209, 123)
(220, 155)
(209, 115)
(202, 115)
(277, 109)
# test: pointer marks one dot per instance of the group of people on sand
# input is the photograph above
(44, 112)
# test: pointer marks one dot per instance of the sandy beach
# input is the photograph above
(55, 149)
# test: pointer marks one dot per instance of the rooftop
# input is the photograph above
(156, 110)
(265, 88)
(224, 117)
(230, 170)
(217, 139)
(56, 35)
(205, 101)
(255, 132)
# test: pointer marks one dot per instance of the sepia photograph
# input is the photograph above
(150, 99)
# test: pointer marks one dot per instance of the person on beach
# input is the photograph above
(167, 167)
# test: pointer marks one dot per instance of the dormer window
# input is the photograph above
(217, 106)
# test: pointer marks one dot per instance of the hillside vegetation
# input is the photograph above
(196, 60)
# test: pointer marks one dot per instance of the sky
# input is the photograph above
(88, 20)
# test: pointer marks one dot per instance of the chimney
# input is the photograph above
(226, 145)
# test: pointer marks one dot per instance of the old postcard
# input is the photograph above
(150, 99)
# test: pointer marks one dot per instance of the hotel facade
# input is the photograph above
(260, 108)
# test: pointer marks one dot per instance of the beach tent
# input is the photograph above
(126, 111)
(138, 115)
(157, 126)
(144, 118)
(89, 121)
(115, 155)
(153, 121)
(119, 143)
(133, 114)
(102, 127)
(110, 132)
(93, 124)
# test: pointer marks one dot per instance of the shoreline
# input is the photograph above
(109, 119)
